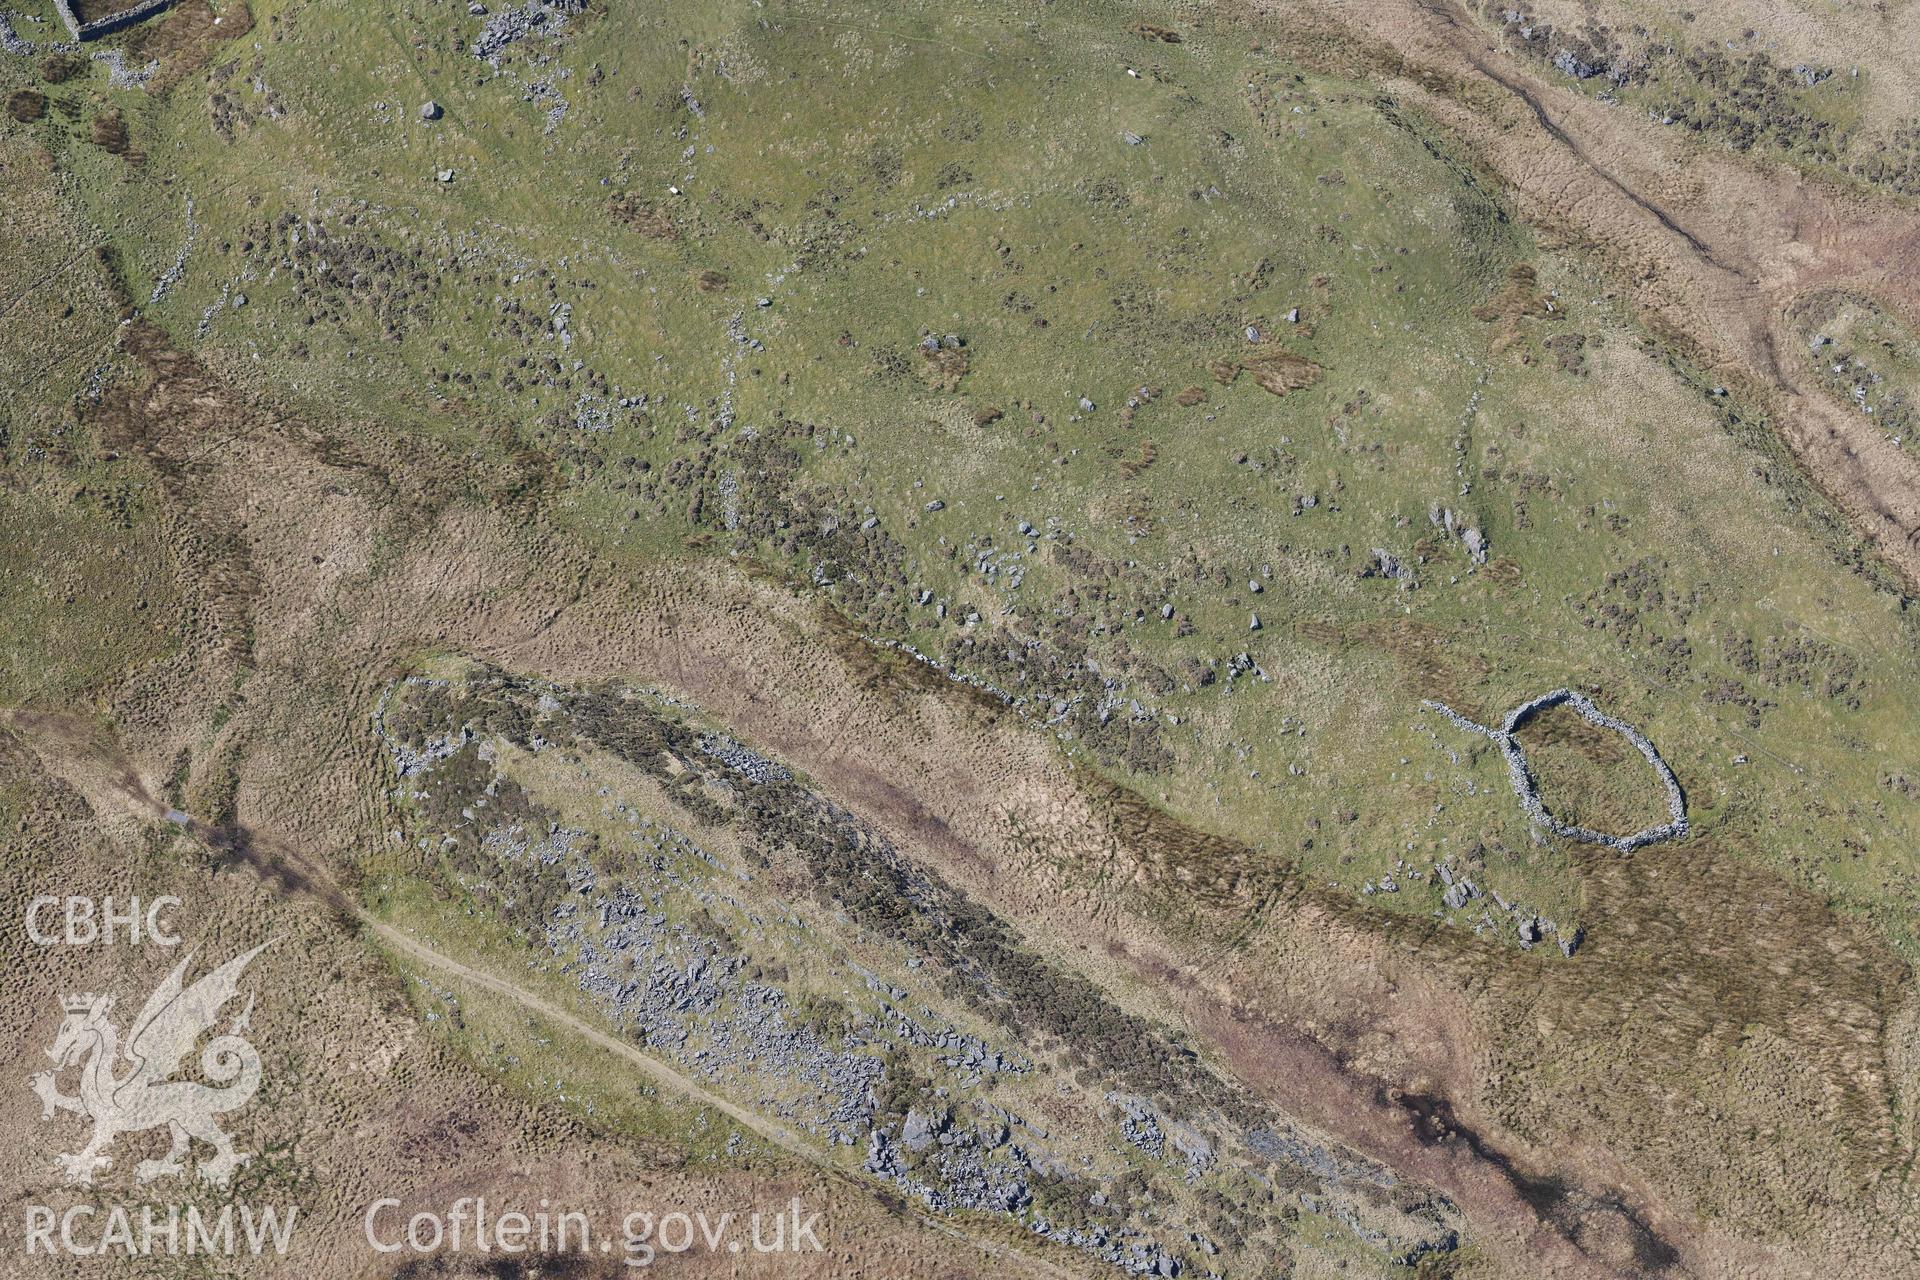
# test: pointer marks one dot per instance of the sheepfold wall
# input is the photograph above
(112, 22)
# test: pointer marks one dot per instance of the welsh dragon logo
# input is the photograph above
(124, 1089)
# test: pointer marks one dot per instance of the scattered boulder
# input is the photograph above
(921, 1131)
(1387, 565)
(1567, 62)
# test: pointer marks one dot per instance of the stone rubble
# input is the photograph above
(173, 274)
(535, 17)
(749, 764)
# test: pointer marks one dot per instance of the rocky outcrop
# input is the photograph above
(664, 939)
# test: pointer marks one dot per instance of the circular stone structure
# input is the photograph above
(1527, 788)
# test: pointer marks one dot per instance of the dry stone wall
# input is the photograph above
(1526, 787)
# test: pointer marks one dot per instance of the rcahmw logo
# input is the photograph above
(126, 1088)
(79, 921)
(87, 1231)
(125, 1084)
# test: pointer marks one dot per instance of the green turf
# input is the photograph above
(1095, 213)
